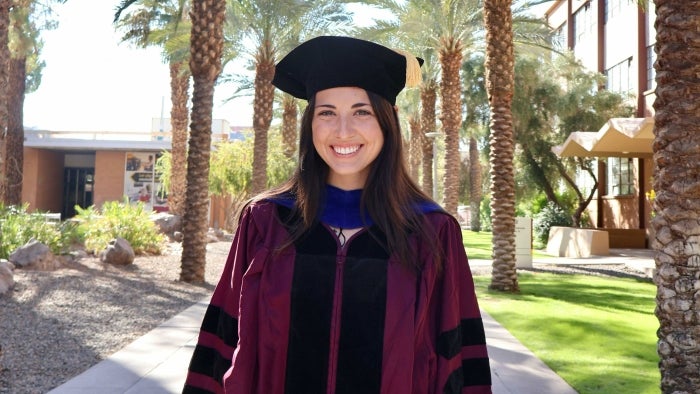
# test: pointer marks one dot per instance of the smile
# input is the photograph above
(346, 150)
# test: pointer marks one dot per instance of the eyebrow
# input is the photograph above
(357, 105)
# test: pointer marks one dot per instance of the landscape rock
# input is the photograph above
(34, 255)
(7, 280)
(168, 223)
(218, 235)
(118, 252)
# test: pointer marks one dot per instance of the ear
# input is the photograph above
(396, 109)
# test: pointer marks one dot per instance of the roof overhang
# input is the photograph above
(619, 137)
(77, 144)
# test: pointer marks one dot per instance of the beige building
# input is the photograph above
(615, 38)
(64, 169)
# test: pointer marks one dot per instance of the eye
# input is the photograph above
(325, 112)
(363, 112)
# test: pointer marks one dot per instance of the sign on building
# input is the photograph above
(142, 182)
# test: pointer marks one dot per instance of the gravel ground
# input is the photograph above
(54, 325)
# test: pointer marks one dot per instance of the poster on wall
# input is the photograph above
(142, 183)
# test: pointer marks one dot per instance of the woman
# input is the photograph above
(347, 279)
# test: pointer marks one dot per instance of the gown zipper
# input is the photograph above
(337, 308)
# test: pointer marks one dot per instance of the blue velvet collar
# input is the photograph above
(341, 208)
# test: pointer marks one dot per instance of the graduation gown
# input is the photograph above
(318, 317)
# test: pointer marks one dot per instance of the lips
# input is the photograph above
(346, 150)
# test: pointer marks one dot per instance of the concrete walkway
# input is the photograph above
(157, 362)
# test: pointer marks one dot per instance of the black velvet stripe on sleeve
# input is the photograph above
(473, 332)
(476, 371)
(218, 322)
(449, 343)
(454, 383)
(195, 390)
(469, 332)
(209, 362)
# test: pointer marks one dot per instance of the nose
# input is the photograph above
(345, 126)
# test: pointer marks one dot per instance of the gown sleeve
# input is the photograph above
(218, 335)
(463, 363)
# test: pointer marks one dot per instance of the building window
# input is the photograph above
(559, 38)
(618, 77)
(651, 72)
(614, 8)
(620, 176)
(584, 23)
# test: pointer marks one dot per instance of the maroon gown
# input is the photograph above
(318, 317)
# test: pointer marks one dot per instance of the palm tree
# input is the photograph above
(445, 28)
(450, 52)
(415, 146)
(499, 66)
(676, 183)
(27, 19)
(428, 95)
(4, 69)
(207, 45)
(290, 113)
(165, 24)
(274, 27)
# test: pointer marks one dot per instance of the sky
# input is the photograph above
(91, 82)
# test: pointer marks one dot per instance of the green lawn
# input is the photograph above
(599, 334)
(479, 246)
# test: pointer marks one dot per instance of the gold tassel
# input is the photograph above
(413, 74)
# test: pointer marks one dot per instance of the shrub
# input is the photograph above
(550, 215)
(17, 227)
(129, 221)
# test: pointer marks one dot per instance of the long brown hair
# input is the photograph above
(390, 197)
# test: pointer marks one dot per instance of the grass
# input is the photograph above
(597, 333)
(478, 245)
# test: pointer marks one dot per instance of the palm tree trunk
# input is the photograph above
(4, 80)
(677, 187)
(451, 89)
(428, 98)
(415, 146)
(179, 115)
(206, 43)
(475, 186)
(499, 65)
(14, 140)
(262, 113)
(289, 125)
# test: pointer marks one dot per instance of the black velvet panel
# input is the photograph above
(310, 313)
(362, 325)
(216, 321)
(369, 244)
(476, 371)
(473, 332)
(208, 361)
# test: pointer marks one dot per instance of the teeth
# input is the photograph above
(346, 150)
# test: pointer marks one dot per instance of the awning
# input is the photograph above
(619, 137)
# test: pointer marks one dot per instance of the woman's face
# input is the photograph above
(346, 134)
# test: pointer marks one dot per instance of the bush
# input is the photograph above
(17, 227)
(129, 221)
(550, 215)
